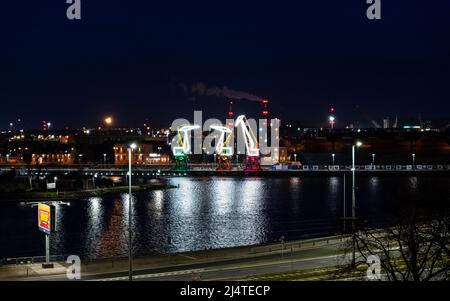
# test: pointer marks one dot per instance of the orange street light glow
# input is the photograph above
(108, 120)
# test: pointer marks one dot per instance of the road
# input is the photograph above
(220, 270)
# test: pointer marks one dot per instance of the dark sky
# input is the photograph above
(131, 58)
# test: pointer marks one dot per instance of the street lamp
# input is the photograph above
(332, 120)
(108, 121)
(358, 144)
(132, 147)
(56, 188)
(104, 159)
(295, 157)
(373, 159)
(332, 156)
(93, 179)
(414, 159)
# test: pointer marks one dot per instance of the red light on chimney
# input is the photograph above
(331, 109)
(265, 101)
(230, 110)
(265, 113)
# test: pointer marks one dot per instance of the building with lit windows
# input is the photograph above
(145, 154)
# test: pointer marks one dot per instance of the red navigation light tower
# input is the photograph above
(230, 110)
(265, 110)
(332, 118)
(45, 126)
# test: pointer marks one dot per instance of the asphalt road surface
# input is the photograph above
(225, 270)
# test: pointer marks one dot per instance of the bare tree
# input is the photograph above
(415, 246)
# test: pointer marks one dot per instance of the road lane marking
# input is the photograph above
(156, 275)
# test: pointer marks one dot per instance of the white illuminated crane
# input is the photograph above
(251, 144)
(222, 148)
(184, 145)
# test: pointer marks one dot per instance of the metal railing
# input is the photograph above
(32, 260)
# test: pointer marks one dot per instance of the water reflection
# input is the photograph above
(112, 239)
(334, 193)
(201, 213)
(156, 203)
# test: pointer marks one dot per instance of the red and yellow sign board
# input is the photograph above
(44, 218)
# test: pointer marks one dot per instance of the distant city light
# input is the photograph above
(108, 120)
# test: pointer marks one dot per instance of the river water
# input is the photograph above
(210, 212)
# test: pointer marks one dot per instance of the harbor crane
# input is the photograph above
(183, 149)
(252, 158)
(223, 151)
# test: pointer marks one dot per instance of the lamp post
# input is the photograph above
(373, 159)
(332, 121)
(358, 144)
(332, 156)
(104, 159)
(56, 188)
(414, 160)
(130, 248)
(343, 207)
(93, 179)
(295, 157)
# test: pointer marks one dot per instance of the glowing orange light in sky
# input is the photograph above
(108, 120)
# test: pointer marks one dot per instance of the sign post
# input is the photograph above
(46, 223)
(47, 249)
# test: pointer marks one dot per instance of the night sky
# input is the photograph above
(138, 60)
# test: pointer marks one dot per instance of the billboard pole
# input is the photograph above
(47, 224)
(47, 248)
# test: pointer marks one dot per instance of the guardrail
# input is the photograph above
(418, 167)
(157, 171)
(323, 241)
(32, 259)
